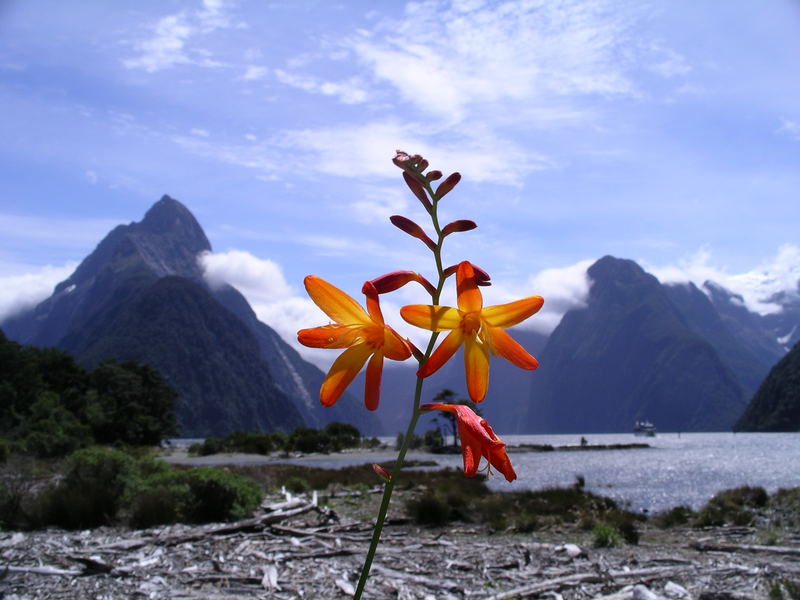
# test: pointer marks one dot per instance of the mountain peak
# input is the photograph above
(170, 216)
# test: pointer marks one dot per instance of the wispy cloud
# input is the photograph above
(479, 151)
(19, 292)
(351, 91)
(758, 287)
(451, 59)
(167, 41)
(790, 128)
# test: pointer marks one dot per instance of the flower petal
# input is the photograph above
(508, 315)
(503, 344)
(442, 354)
(498, 458)
(334, 302)
(342, 372)
(328, 336)
(434, 318)
(372, 387)
(373, 304)
(395, 347)
(469, 296)
(476, 364)
(470, 450)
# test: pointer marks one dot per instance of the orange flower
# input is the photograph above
(477, 440)
(364, 335)
(480, 329)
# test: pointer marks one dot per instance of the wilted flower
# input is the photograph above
(477, 440)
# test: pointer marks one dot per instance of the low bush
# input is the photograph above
(675, 517)
(102, 486)
(430, 509)
(605, 536)
(89, 495)
(297, 485)
(734, 507)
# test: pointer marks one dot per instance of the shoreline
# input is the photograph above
(296, 548)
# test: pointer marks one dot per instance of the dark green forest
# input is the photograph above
(51, 406)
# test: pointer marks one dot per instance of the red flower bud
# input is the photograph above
(390, 282)
(460, 225)
(481, 276)
(384, 474)
(447, 185)
(433, 175)
(418, 190)
(412, 229)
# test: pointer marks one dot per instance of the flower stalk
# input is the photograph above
(367, 339)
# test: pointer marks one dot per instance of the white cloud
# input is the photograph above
(563, 289)
(779, 274)
(254, 73)
(790, 128)
(274, 301)
(262, 278)
(377, 203)
(452, 60)
(349, 92)
(478, 151)
(167, 44)
(18, 292)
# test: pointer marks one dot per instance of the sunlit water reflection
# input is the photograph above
(684, 469)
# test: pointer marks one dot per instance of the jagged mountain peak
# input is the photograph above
(169, 216)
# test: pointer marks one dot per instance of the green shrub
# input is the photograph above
(217, 495)
(5, 450)
(305, 439)
(605, 536)
(674, 517)
(735, 506)
(297, 485)
(429, 509)
(342, 435)
(159, 500)
(90, 493)
(625, 524)
(785, 504)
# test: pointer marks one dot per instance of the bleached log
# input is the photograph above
(548, 585)
(40, 570)
(709, 547)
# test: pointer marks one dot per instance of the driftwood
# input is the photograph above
(295, 549)
(716, 547)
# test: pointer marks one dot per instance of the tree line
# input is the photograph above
(51, 406)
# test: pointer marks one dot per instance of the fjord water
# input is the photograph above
(686, 469)
(677, 469)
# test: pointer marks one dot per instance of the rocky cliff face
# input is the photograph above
(141, 295)
(630, 355)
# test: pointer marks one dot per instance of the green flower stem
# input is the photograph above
(388, 487)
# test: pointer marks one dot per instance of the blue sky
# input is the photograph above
(664, 132)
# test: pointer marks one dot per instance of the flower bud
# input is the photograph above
(481, 276)
(390, 282)
(412, 229)
(433, 175)
(384, 474)
(460, 225)
(418, 190)
(447, 185)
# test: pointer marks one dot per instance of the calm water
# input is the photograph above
(686, 469)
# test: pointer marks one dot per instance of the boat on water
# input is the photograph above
(644, 428)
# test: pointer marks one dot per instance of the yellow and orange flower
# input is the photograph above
(363, 333)
(481, 330)
(477, 440)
